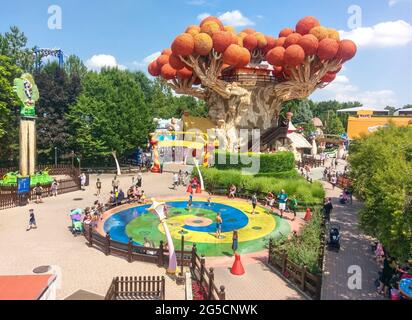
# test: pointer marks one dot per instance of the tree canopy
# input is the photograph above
(110, 115)
(381, 165)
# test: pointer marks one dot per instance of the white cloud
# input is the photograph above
(197, 3)
(385, 34)
(393, 2)
(99, 61)
(343, 91)
(233, 18)
(142, 64)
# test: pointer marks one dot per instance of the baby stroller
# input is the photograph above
(77, 225)
(334, 238)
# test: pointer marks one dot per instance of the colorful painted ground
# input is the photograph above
(198, 226)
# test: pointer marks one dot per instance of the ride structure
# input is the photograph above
(246, 77)
(41, 53)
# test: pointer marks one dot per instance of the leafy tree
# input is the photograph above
(332, 123)
(391, 110)
(74, 67)
(57, 92)
(382, 166)
(13, 44)
(9, 110)
(110, 116)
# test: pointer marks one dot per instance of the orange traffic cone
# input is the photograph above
(237, 268)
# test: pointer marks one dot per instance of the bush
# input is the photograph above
(269, 163)
(305, 249)
(221, 179)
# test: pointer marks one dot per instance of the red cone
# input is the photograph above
(237, 268)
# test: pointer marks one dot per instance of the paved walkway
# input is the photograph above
(84, 268)
(355, 251)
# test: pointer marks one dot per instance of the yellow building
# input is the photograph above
(365, 123)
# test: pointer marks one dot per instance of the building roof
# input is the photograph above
(317, 122)
(363, 108)
(406, 110)
(299, 141)
(30, 287)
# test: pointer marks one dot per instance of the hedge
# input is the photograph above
(304, 191)
(269, 163)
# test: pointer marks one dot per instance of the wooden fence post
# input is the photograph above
(194, 249)
(284, 262)
(90, 234)
(202, 270)
(163, 297)
(130, 250)
(303, 278)
(160, 255)
(211, 283)
(222, 293)
(107, 244)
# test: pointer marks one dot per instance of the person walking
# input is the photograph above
(235, 241)
(333, 181)
(53, 188)
(38, 190)
(32, 221)
(294, 206)
(254, 203)
(115, 184)
(327, 209)
(139, 180)
(190, 202)
(219, 223)
(83, 181)
(98, 187)
(283, 199)
(175, 181)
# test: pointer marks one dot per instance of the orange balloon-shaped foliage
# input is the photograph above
(306, 24)
(221, 41)
(271, 43)
(224, 67)
(294, 55)
(329, 77)
(235, 55)
(184, 73)
(310, 44)
(320, 32)
(230, 29)
(276, 56)
(183, 45)
(167, 51)
(242, 35)
(261, 40)
(250, 42)
(235, 39)
(162, 60)
(168, 72)
(333, 34)
(249, 31)
(280, 42)
(244, 58)
(293, 38)
(328, 48)
(203, 44)
(285, 32)
(239, 41)
(193, 30)
(347, 50)
(213, 19)
(210, 28)
(176, 63)
(153, 69)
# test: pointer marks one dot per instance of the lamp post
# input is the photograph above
(158, 208)
(55, 156)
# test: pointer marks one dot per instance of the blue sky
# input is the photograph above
(126, 32)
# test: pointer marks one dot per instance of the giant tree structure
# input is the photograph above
(246, 77)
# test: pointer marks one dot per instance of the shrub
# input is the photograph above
(269, 163)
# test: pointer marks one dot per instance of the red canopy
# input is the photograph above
(30, 287)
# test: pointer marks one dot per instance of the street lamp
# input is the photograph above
(158, 208)
(55, 156)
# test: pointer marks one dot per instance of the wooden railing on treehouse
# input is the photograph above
(250, 79)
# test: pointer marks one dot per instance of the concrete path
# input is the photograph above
(355, 251)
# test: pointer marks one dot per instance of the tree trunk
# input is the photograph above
(249, 107)
(119, 172)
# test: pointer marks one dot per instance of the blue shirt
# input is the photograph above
(282, 197)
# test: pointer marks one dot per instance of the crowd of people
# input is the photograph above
(391, 274)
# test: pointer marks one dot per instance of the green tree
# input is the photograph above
(13, 44)
(382, 167)
(74, 67)
(110, 116)
(333, 125)
(57, 92)
(9, 110)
